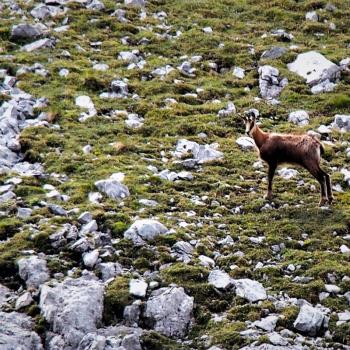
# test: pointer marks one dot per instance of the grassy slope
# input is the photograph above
(237, 24)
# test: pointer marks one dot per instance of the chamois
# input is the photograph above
(304, 150)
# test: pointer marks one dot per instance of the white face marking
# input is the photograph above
(249, 125)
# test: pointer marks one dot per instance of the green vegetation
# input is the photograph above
(310, 237)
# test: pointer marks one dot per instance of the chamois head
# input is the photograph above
(249, 121)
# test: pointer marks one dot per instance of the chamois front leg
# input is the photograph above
(271, 173)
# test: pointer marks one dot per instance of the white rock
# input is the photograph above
(33, 271)
(17, 332)
(311, 16)
(207, 30)
(206, 261)
(220, 279)
(310, 320)
(113, 188)
(287, 173)
(73, 308)
(24, 300)
(299, 117)
(342, 122)
(331, 288)
(250, 290)
(268, 323)
(90, 258)
(238, 72)
(144, 230)
(169, 311)
(246, 143)
(314, 67)
(138, 288)
(344, 249)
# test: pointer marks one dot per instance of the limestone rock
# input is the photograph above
(73, 307)
(16, 332)
(169, 311)
(33, 271)
(250, 290)
(144, 230)
(310, 320)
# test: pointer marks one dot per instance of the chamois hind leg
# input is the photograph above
(329, 187)
(318, 174)
(271, 173)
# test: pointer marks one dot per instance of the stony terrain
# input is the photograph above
(131, 204)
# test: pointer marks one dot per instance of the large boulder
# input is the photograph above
(314, 67)
(310, 320)
(144, 230)
(25, 31)
(33, 271)
(73, 307)
(169, 310)
(16, 332)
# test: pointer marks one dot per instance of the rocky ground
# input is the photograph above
(131, 205)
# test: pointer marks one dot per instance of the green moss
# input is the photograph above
(154, 341)
(117, 296)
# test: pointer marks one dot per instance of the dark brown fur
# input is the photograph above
(303, 150)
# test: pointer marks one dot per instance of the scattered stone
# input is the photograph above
(144, 230)
(228, 111)
(274, 52)
(246, 143)
(270, 84)
(268, 323)
(310, 320)
(300, 117)
(24, 213)
(201, 153)
(134, 121)
(342, 122)
(311, 16)
(138, 288)
(238, 72)
(251, 290)
(37, 45)
(90, 258)
(25, 31)
(135, 3)
(110, 270)
(24, 300)
(287, 173)
(86, 103)
(33, 271)
(113, 188)
(220, 279)
(169, 311)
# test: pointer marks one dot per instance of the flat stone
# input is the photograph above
(251, 290)
(220, 279)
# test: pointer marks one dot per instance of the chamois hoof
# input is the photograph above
(330, 200)
(323, 201)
